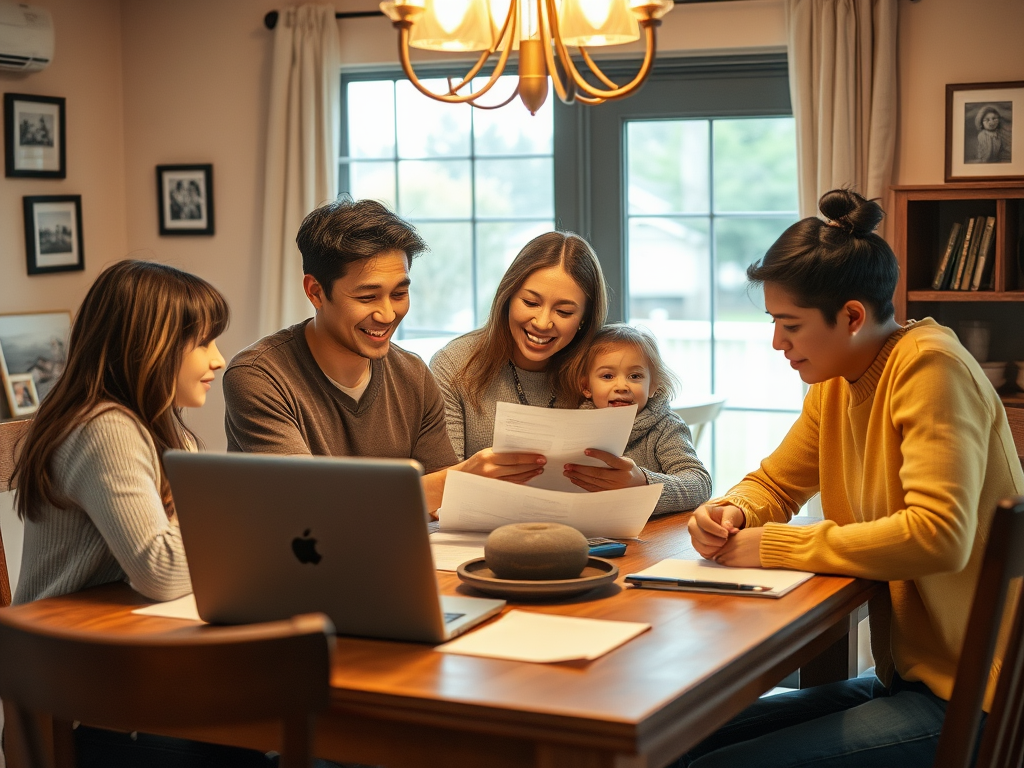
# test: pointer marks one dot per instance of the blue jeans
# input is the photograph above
(850, 724)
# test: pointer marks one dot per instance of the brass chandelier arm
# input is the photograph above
(595, 69)
(453, 97)
(614, 92)
(496, 106)
(566, 92)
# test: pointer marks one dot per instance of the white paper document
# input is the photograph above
(452, 548)
(544, 638)
(182, 608)
(474, 503)
(708, 576)
(561, 435)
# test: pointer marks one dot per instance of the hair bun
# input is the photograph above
(847, 210)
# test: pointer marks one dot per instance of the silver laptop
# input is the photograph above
(268, 537)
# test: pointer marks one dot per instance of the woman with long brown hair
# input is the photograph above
(90, 484)
(550, 302)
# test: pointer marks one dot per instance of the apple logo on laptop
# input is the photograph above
(304, 548)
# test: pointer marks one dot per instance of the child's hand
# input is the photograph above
(620, 473)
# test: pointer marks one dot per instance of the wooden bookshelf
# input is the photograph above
(922, 217)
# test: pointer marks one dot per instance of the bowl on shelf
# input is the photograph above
(996, 373)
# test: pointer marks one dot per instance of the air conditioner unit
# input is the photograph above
(26, 37)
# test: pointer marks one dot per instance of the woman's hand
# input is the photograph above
(711, 525)
(742, 550)
(514, 467)
(620, 473)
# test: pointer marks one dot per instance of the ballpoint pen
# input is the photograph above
(641, 581)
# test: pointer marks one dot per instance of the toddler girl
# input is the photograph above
(622, 367)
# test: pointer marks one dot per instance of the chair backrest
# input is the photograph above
(11, 435)
(1002, 744)
(698, 413)
(213, 676)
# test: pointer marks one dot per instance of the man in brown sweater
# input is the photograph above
(333, 385)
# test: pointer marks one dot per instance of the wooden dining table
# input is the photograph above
(705, 658)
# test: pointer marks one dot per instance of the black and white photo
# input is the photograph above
(980, 140)
(34, 141)
(185, 199)
(53, 233)
(33, 349)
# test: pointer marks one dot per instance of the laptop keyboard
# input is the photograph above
(450, 617)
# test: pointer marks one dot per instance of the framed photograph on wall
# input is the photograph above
(53, 233)
(34, 140)
(185, 199)
(985, 131)
(33, 351)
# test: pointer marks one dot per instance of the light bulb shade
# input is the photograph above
(651, 9)
(453, 25)
(402, 10)
(590, 23)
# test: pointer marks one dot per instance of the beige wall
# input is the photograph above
(86, 71)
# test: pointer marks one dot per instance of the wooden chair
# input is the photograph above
(699, 413)
(11, 435)
(1002, 744)
(151, 683)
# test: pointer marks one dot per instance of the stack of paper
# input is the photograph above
(473, 503)
(544, 638)
(709, 576)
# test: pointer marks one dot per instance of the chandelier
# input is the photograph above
(543, 31)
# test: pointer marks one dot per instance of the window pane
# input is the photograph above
(667, 164)
(761, 433)
(371, 119)
(755, 164)
(669, 266)
(429, 128)
(434, 189)
(739, 242)
(497, 243)
(441, 297)
(685, 346)
(372, 180)
(511, 130)
(521, 187)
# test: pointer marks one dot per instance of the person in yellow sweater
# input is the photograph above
(908, 444)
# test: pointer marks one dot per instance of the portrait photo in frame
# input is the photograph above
(985, 131)
(34, 138)
(33, 347)
(53, 233)
(22, 396)
(185, 199)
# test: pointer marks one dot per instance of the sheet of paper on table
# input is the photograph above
(561, 435)
(544, 638)
(182, 608)
(474, 503)
(452, 548)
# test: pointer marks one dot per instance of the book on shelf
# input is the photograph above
(942, 273)
(984, 253)
(972, 255)
(961, 258)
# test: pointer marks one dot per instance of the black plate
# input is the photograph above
(596, 573)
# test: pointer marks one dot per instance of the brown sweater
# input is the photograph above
(277, 400)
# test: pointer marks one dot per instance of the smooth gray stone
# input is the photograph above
(536, 551)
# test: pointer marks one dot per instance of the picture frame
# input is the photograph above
(985, 131)
(53, 234)
(185, 199)
(33, 352)
(22, 395)
(35, 141)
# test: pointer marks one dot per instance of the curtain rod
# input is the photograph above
(270, 20)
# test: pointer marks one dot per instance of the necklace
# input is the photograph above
(519, 388)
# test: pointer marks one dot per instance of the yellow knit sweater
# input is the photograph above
(911, 460)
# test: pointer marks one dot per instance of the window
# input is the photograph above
(678, 188)
(477, 184)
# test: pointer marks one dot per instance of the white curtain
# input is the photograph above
(302, 152)
(842, 79)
